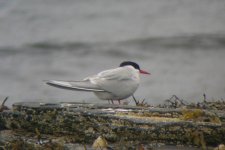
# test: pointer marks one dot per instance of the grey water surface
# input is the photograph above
(182, 44)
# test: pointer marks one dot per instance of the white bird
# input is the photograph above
(113, 84)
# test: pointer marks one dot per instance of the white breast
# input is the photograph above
(119, 86)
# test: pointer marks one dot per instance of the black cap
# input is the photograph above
(130, 63)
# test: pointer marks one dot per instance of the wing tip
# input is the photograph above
(67, 85)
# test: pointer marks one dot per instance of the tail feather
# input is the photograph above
(75, 85)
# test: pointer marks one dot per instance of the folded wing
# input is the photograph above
(84, 85)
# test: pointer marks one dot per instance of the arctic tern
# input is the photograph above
(114, 84)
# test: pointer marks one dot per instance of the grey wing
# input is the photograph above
(84, 85)
(111, 80)
(102, 82)
(115, 74)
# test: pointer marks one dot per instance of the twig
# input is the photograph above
(204, 97)
(175, 102)
(136, 102)
(140, 103)
(3, 107)
(143, 101)
(3, 103)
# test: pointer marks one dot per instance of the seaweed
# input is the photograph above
(199, 115)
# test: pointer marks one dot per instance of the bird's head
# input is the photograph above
(135, 65)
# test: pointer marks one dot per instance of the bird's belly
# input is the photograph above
(104, 95)
(120, 91)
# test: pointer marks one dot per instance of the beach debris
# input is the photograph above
(174, 102)
(142, 103)
(206, 104)
(3, 107)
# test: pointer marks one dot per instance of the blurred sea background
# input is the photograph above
(181, 42)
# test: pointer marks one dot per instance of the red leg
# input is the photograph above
(119, 102)
(112, 101)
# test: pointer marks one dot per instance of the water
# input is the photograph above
(182, 44)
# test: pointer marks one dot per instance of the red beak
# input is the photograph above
(144, 72)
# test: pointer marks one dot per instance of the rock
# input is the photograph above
(130, 125)
(100, 143)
